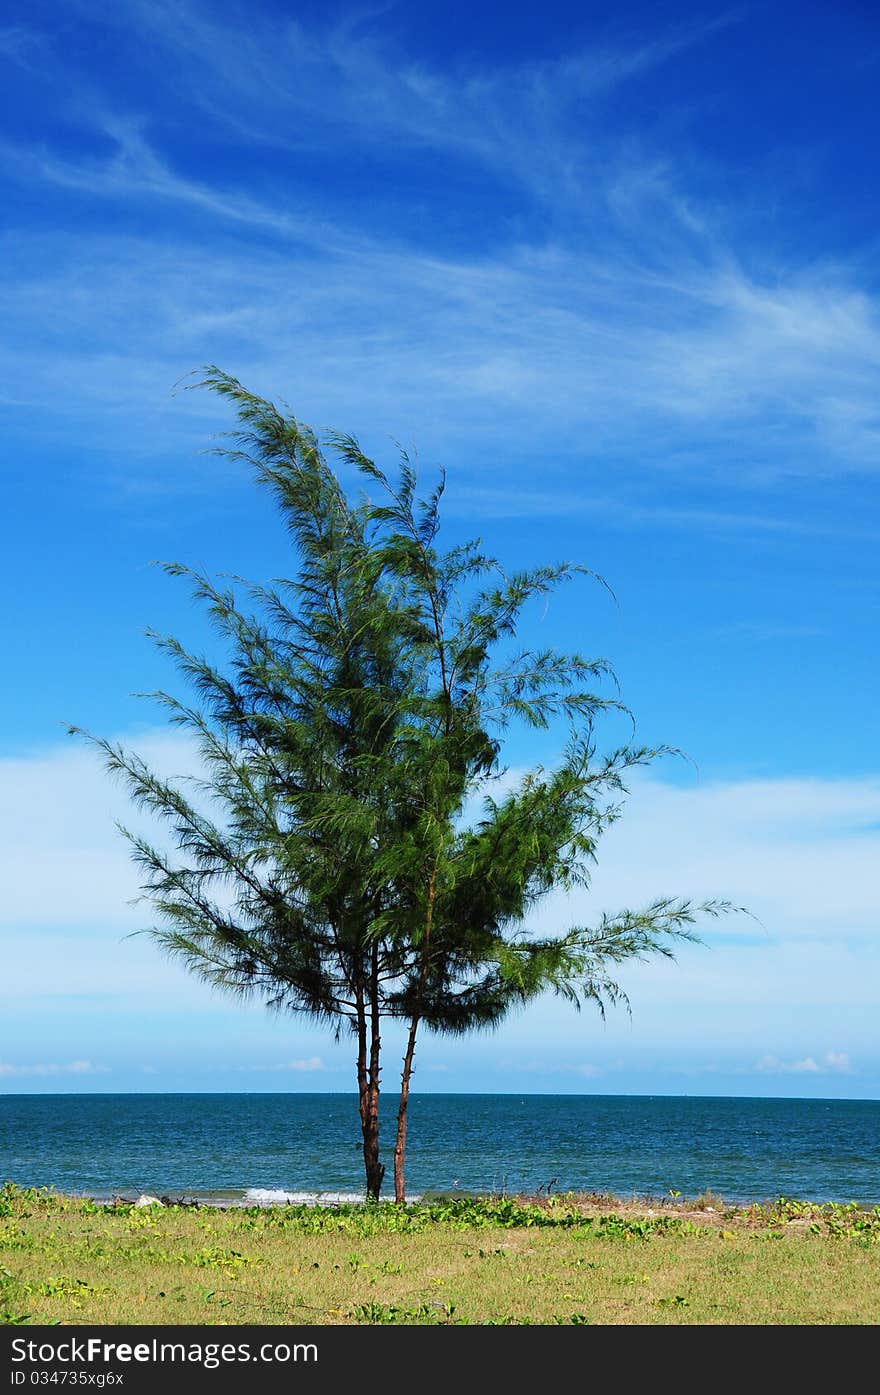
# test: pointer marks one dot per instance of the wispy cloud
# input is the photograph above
(518, 338)
(136, 171)
(8, 1070)
(632, 506)
(617, 303)
(351, 79)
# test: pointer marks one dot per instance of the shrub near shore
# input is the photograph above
(497, 1260)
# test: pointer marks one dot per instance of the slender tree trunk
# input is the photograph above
(406, 1075)
(368, 1097)
(375, 1168)
(400, 1142)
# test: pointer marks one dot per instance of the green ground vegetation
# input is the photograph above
(481, 1261)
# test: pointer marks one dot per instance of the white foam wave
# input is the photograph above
(271, 1196)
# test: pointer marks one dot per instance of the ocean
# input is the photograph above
(265, 1148)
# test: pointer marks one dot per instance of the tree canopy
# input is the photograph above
(357, 858)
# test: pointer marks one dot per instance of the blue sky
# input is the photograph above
(617, 269)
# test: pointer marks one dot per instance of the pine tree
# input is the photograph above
(362, 712)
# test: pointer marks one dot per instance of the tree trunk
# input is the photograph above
(406, 1076)
(375, 1170)
(400, 1142)
(368, 1092)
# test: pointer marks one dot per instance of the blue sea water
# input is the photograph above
(261, 1148)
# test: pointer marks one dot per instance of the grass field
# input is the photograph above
(565, 1260)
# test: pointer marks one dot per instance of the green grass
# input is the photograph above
(566, 1260)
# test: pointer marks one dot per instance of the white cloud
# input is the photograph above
(832, 1062)
(62, 861)
(306, 1065)
(838, 1060)
(8, 1070)
(774, 1066)
(801, 854)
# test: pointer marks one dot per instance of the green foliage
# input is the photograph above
(74, 1291)
(8, 1316)
(839, 1220)
(20, 1201)
(215, 1257)
(390, 1314)
(333, 870)
(461, 1214)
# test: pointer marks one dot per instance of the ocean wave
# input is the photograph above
(271, 1196)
